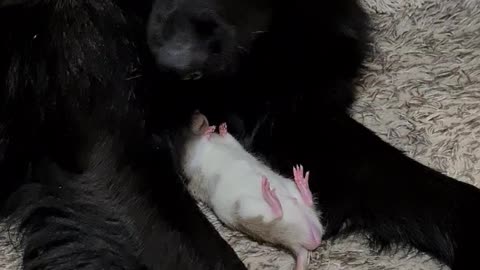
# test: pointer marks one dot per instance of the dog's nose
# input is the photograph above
(184, 43)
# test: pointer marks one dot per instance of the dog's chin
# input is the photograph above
(214, 68)
(196, 62)
(193, 76)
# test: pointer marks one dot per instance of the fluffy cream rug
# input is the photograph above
(421, 93)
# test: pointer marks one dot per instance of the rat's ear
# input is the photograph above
(199, 123)
(8, 3)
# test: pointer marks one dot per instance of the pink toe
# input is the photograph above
(271, 198)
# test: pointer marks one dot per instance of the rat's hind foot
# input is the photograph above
(271, 198)
(222, 129)
(208, 132)
(302, 184)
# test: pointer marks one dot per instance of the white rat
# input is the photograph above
(248, 196)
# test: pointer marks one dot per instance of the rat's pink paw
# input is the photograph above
(302, 184)
(222, 129)
(271, 198)
(209, 131)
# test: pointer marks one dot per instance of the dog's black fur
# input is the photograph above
(79, 172)
(84, 87)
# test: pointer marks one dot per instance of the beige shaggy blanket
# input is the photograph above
(421, 93)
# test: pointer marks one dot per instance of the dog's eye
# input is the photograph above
(205, 28)
(215, 46)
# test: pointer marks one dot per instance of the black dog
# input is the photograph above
(79, 173)
(82, 96)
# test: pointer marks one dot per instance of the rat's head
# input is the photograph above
(195, 38)
(199, 123)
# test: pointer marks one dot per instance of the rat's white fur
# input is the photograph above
(228, 179)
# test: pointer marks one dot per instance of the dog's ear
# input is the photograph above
(8, 3)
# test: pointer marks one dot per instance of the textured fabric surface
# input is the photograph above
(421, 93)
(10, 251)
